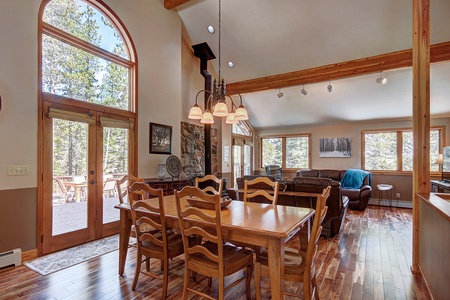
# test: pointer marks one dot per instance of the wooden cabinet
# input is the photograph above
(168, 185)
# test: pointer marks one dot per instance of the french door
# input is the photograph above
(84, 152)
(242, 161)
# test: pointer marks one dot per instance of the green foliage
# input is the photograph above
(72, 72)
(381, 151)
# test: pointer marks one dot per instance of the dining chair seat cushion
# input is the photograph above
(233, 258)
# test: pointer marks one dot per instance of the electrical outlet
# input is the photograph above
(397, 195)
(18, 170)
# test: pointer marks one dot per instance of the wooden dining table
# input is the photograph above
(258, 224)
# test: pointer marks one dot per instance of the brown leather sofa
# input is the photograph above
(336, 202)
(358, 195)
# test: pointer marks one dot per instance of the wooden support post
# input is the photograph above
(421, 113)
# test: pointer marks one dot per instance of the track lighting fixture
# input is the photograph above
(329, 87)
(303, 91)
(381, 79)
(280, 94)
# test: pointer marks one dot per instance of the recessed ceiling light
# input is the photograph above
(211, 29)
(231, 64)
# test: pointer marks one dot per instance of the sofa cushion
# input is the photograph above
(308, 173)
(333, 174)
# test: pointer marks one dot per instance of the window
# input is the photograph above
(84, 56)
(241, 128)
(393, 150)
(290, 152)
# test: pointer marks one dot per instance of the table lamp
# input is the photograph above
(440, 161)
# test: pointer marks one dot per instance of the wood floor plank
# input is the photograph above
(370, 259)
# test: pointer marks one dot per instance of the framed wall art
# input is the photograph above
(336, 147)
(160, 139)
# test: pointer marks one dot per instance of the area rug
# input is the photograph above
(66, 258)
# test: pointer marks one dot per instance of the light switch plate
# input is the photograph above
(18, 170)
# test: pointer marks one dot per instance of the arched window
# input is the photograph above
(85, 56)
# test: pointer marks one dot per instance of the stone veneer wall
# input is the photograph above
(193, 150)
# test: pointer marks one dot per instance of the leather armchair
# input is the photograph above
(358, 197)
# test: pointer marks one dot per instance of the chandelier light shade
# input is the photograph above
(231, 119)
(207, 118)
(218, 96)
(220, 109)
(195, 113)
(241, 113)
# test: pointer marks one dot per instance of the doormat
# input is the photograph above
(66, 258)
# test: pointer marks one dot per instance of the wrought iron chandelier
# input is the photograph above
(218, 96)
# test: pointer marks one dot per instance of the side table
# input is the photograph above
(385, 193)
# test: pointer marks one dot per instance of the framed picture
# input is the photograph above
(336, 147)
(160, 139)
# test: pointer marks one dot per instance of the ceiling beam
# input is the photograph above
(169, 4)
(389, 61)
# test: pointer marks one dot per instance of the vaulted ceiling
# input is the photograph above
(294, 43)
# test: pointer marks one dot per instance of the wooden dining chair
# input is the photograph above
(210, 184)
(122, 185)
(299, 266)
(212, 258)
(256, 190)
(161, 244)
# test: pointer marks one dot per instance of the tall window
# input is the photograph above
(392, 150)
(290, 152)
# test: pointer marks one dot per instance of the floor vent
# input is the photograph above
(11, 258)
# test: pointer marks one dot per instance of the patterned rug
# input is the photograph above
(66, 258)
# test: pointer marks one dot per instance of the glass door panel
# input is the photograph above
(115, 165)
(70, 189)
(237, 163)
(247, 158)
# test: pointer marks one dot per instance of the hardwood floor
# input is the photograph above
(370, 259)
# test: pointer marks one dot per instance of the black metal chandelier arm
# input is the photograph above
(206, 91)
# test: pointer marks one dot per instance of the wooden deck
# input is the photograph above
(72, 216)
(370, 259)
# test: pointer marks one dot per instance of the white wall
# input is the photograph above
(156, 33)
(18, 89)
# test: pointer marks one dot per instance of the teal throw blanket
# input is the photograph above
(353, 178)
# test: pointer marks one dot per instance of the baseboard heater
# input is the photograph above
(11, 258)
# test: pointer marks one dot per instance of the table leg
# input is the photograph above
(124, 238)
(276, 267)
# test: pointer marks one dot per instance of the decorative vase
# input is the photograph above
(161, 171)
